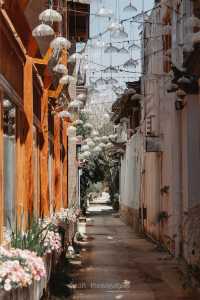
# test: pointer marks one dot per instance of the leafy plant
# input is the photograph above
(33, 239)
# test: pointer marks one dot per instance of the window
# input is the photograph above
(9, 158)
(36, 168)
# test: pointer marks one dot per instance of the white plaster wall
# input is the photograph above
(131, 172)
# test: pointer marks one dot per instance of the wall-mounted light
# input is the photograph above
(179, 104)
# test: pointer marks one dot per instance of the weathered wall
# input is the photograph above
(130, 181)
(190, 178)
(72, 170)
(170, 181)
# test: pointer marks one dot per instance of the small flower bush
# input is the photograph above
(41, 237)
(19, 268)
(69, 215)
(23, 263)
(52, 242)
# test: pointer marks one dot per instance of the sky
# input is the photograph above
(98, 60)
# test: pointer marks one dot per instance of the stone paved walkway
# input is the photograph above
(118, 264)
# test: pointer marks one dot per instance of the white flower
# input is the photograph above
(7, 287)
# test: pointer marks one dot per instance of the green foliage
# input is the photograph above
(100, 168)
(33, 238)
(84, 132)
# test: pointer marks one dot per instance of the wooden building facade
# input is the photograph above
(33, 136)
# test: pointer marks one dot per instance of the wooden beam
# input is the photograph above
(57, 163)
(45, 208)
(55, 94)
(1, 168)
(45, 59)
(28, 143)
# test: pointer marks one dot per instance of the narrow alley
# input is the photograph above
(118, 264)
(99, 149)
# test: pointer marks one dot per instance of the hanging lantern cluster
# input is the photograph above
(95, 144)
(51, 16)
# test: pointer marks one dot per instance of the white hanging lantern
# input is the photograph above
(120, 34)
(110, 69)
(94, 133)
(75, 104)
(97, 149)
(98, 43)
(60, 43)
(50, 15)
(100, 82)
(112, 81)
(7, 103)
(123, 50)
(67, 79)
(64, 114)
(131, 63)
(102, 145)
(114, 25)
(111, 49)
(88, 140)
(86, 154)
(74, 57)
(88, 126)
(104, 12)
(91, 144)
(112, 136)
(134, 46)
(105, 139)
(109, 145)
(81, 97)
(60, 69)
(12, 113)
(184, 80)
(97, 139)
(43, 30)
(130, 8)
(106, 118)
(85, 148)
